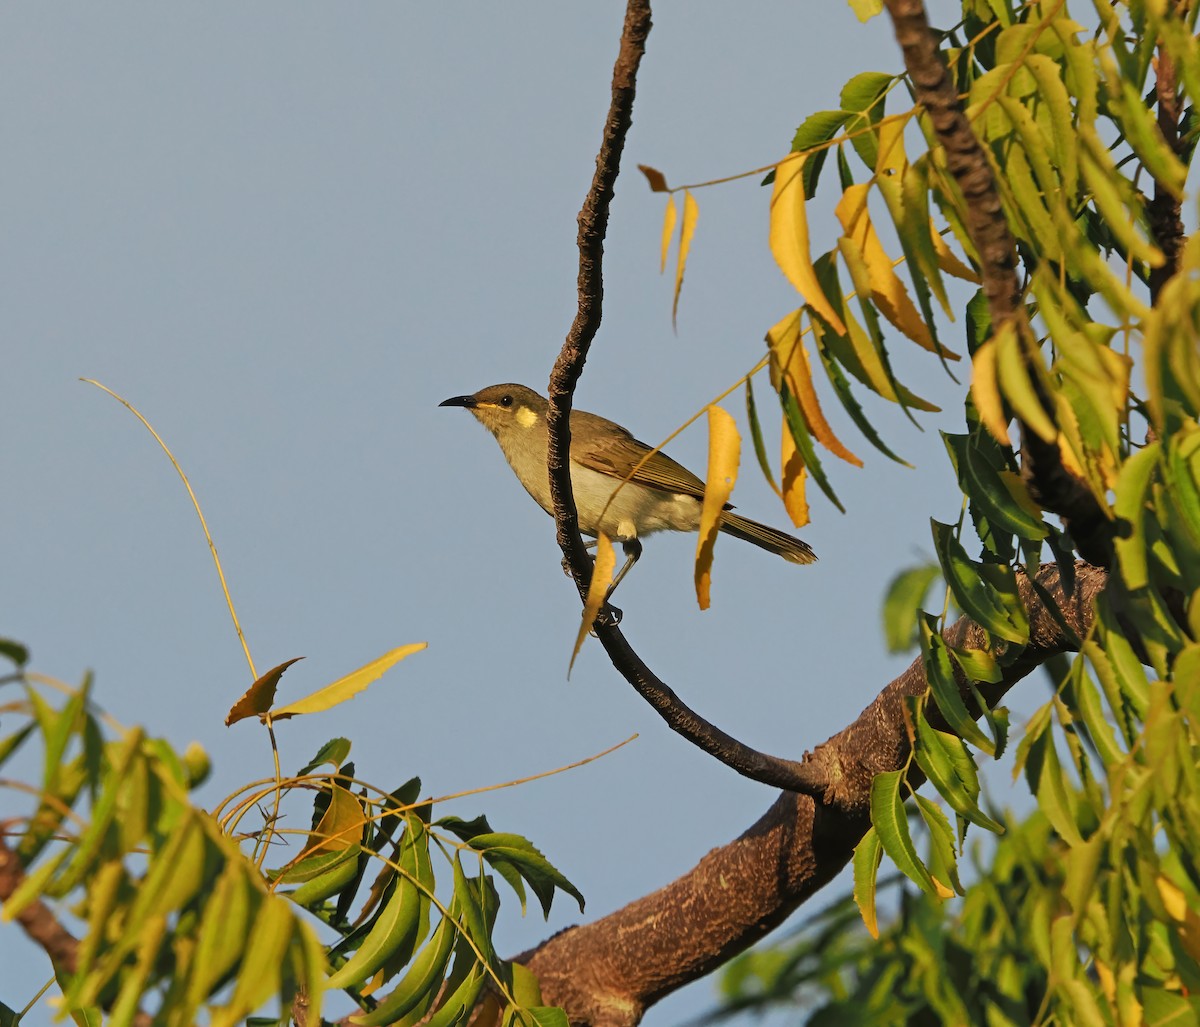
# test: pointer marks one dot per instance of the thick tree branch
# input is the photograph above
(1052, 485)
(607, 974)
(593, 223)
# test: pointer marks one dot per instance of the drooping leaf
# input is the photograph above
(259, 696)
(724, 454)
(789, 238)
(903, 599)
(891, 826)
(691, 214)
(602, 576)
(349, 686)
(670, 215)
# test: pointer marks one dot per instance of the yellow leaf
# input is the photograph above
(943, 892)
(669, 217)
(865, 10)
(657, 180)
(691, 212)
(789, 238)
(1178, 909)
(341, 824)
(349, 686)
(793, 478)
(602, 573)
(792, 357)
(1071, 449)
(888, 292)
(782, 337)
(724, 453)
(949, 263)
(1013, 373)
(985, 391)
(260, 695)
(891, 157)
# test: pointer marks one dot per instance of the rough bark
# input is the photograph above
(606, 974)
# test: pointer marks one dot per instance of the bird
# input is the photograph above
(616, 493)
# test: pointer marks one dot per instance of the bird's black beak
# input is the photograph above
(459, 401)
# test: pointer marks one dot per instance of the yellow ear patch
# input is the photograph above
(526, 418)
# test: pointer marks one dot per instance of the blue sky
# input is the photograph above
(286, 232)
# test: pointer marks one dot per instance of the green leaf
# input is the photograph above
(799, 430)
(511, 852)
(863, 96)
(943, 861)
(1000, 496)
(1132, 492)
(975, 588)
(943, 685)
(867, 854)
(396, 926)
(901, 603)
(323, 875)
(418, 988)
(14, 651)
(1049, 783)
(224, 931)
(841, 387)
(816, 129)
(465, 829)
(333, 752)
(461, 1001)
(948, 764)
(891, 825)
(1086, 704)
(760, 448)
(13, 742)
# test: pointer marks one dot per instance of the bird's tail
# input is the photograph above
(778, 542)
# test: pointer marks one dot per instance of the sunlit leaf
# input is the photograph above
(602, 575)
(793, 478)
(789, 238)
(349, 686)
(670, 214)
(791, 363)
(691, 213)
(724, 454)
(867, 855)
(260, 695)
(891, 825)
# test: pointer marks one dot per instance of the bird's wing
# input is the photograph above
(619, 453)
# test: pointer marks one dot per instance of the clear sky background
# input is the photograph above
(286, 232)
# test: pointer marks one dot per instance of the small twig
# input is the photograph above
(593, 223)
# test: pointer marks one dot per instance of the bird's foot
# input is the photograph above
(609, 616)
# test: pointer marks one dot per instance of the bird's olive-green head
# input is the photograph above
(500, 407)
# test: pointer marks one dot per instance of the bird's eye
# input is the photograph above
(506, 401)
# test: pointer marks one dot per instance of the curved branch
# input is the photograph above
(1052, 485)
(593, 223)
(606, 974)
